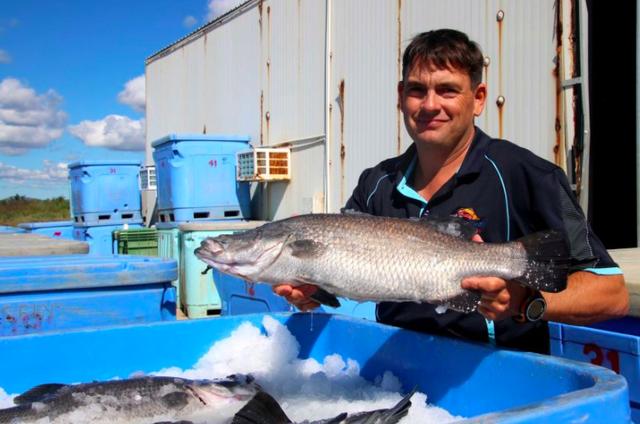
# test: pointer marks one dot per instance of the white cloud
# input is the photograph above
(28, 120)
(4, 57)
(220, 7)
(189, 21)
(134, 94)
(113, 132)
(51, 174)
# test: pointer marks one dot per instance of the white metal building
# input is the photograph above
(320, 76)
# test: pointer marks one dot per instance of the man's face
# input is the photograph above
(439, 105)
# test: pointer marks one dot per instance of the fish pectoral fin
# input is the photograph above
(325, 298)
(261, 409)
(465, 302)
(176, 400)
(452, 225)
(306, 248)
(38, 393)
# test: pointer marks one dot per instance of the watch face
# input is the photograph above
(536, 309)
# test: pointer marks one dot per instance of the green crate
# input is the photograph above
(139, 241)
(169, 247)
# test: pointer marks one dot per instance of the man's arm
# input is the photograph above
(588, 298)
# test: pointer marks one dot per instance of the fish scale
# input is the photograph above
(366, 257)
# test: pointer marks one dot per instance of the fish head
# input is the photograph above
(232, 388)
(244, 254)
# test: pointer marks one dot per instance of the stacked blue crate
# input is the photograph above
(196, 184)
(105, 197)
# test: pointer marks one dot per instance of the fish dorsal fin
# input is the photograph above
(452, 225)
(306, 248)
(38, 393)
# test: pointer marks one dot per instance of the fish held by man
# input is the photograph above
(137, 400)
(372, 258)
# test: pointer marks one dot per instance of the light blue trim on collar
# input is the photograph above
(604, 271)
(491, 331)
(407, 190)
(506, 198)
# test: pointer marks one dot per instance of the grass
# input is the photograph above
(18, 209)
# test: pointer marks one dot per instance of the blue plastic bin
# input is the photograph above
(614, 344)
(51, 293)
(169, 247)
(100, 237)
(239, 297)
(54, 229)
(456, 375)
(105, 192)
(196, 178)
(8, 229)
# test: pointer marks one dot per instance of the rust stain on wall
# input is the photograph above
(500, 104)
(400, 77)
(343, 152)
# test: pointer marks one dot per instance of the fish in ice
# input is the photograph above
(137, 400)
(365, 257)
(263, 409)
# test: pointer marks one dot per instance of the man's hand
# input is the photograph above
(298, 296)
(500, 298)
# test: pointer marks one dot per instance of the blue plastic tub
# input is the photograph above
(8, 229)
(239, 297)
(100, 237)
(614, 344)
(196, 178)
(467, 379)
(51, 293)
(54, 229)
(105, 192)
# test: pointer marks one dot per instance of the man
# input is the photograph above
(453, 168)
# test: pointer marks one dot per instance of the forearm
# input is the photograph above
(588, 298)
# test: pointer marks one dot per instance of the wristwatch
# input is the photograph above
(533, 307)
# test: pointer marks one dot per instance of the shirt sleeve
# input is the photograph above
(358, 201)
(559, 209)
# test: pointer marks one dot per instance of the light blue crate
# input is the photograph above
(104, 187)
(100, 238)
(196, 178)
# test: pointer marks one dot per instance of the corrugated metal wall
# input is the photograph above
(263, 73)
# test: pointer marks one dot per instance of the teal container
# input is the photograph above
(199, 297)
(169, 248)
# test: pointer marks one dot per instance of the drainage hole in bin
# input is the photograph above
(75, 219)
(200, 215)
(228, 214)
(127, 215)
(211, 312)
(163, 218)
(172, 217)
(101, 217)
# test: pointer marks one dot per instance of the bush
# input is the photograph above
(17, 209)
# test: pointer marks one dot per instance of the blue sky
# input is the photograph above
(72, 82)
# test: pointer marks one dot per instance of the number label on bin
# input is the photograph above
(597, 356)
(213, 163)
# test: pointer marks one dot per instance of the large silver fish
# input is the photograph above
(137, 400)
(366, 257)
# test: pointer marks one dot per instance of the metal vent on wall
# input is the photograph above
(264, 164)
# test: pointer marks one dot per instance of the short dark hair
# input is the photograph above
(445, 48)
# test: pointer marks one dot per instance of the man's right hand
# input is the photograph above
(298, 296)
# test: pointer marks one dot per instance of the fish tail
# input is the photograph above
(261, 409)
(548, 261)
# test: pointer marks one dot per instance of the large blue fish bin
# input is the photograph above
(614, 344)
(53, 229)
(196, 177)
(54, 293)
(105, 192)
(476, 381)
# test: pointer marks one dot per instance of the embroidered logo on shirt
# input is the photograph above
(470, 215)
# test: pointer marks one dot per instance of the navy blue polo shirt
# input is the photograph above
(508, 192)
